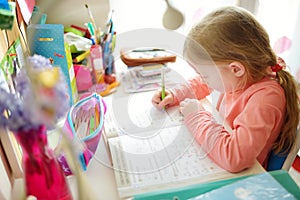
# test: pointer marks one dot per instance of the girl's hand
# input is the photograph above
(159, 103)
(189, 106)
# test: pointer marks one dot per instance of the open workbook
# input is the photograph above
(152, 149)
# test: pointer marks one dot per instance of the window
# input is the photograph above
(278, 17)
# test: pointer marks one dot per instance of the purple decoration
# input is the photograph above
(27, 109)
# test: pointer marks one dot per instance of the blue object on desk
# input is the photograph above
(260, 186)
(187, 192)
(48, 40)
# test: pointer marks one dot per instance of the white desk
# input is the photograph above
(102, 181)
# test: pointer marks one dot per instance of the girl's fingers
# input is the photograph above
(162, 103)
(156, 99)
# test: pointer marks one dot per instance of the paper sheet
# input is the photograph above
(135, 114)
(135, 80)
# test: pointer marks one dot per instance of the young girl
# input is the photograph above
(258, 100)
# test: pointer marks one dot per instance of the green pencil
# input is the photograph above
(163, 92)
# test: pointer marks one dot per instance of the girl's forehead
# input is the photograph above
(200, 63)
(197, 57)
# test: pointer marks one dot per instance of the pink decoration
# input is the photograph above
(198, 14)
(282, 44)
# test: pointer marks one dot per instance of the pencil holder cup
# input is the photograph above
(84, 126)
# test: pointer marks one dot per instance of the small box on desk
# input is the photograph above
(137, 57)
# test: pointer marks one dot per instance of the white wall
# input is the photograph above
(69, 12)
(293, 57)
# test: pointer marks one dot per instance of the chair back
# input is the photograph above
(292, 153)
(278, 161)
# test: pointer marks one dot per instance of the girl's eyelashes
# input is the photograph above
(203, 77)
(193, 67)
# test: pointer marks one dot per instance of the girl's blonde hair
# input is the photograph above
(233, 34)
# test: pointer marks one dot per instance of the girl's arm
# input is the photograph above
(193, 89)
(254, 130)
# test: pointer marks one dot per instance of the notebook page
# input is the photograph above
(159, 160)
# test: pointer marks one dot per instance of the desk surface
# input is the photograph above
(101, 177)
(102, 180)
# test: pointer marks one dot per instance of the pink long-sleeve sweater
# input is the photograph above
(255, 116)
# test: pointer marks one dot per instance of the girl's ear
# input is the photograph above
(237, 68)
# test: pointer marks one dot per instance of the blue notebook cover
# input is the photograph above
(261, 186)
